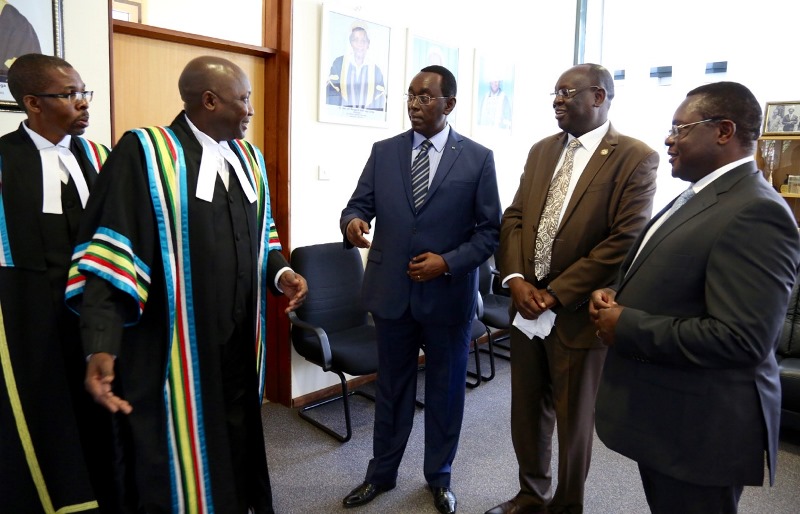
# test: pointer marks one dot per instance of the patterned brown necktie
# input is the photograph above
(420, 173)
(548, 224)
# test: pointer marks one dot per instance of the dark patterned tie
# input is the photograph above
(420, 172)
(548, 223)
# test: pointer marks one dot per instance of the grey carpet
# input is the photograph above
(311, 472)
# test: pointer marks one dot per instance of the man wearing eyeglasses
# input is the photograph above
(690, 389)
(55, 442)
(176, 254)
(585, 194)
(434, 196)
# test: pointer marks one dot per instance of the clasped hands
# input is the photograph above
(604, 312)
(529, 301)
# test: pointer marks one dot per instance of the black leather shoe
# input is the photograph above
(444, 500)
(364, 494)
(512, 507)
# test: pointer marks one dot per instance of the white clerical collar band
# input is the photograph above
(212, 162)
(58, 164)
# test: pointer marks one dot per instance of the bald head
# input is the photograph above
(216, 97)
(203, 74)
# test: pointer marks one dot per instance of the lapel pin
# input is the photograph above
(604, 151)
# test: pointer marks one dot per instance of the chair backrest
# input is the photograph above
(789, 345)
(485, 278)
(334, 277)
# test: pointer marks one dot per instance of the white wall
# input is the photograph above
(540, 42)
(86, 48)
(686, 36)
(234, 20)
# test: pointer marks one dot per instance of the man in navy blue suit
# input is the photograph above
(421, 277)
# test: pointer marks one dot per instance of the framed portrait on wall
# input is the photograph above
(493, 107)
(354, 70)
(421, 52)
(782, 119)
(27, 26)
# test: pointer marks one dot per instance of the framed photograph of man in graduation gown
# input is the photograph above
(27, 26)
(354, 70)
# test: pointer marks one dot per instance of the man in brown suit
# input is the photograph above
(584, 196)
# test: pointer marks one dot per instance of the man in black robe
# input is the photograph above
(174, 263)
(53, 438)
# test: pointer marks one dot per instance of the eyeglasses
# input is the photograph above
(675, 130)
(423, 99)
(571, 93)
(74, 97)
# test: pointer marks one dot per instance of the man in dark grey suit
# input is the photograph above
(421, 278)
(690, 389)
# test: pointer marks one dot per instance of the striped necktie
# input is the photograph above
(420, 173)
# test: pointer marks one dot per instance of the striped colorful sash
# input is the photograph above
(166, 170)
(97, 154)
(255, 169)
(109, 255)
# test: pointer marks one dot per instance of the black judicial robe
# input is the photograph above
(133, 261)
(50, 429)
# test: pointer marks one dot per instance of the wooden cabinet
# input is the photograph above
(778, 157)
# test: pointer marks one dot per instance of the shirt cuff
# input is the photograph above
(509, 277)
(278, 277)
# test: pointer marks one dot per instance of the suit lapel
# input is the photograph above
(596, 162)
(540, 185)
(404, 158)
(450, 152)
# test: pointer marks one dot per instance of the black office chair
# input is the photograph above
(331, 329)
(496, 303)
(479, 329)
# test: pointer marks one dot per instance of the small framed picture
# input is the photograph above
(127, 10)
(782, 118)
(354, 70)
(37, 29)
(421, 52)
(493, 106)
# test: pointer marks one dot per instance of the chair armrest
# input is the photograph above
(322, 338)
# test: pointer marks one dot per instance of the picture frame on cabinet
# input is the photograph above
(421, 52)
(782, 119)
(354, 70)
(38, 28)
(493, 106)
